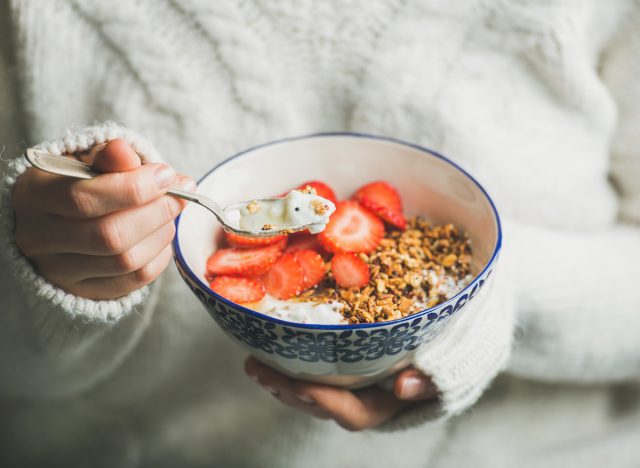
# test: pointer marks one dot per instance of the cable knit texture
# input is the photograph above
(539, 100)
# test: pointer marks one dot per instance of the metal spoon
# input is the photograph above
(73, 168)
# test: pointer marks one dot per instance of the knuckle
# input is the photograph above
(81, 201)
(128, 261)
(110, 236)
(135, 192)
(169, 208)
(146, 274)
(152, 270)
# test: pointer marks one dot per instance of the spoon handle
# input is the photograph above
(60, 165)
(201, 200)
(74, 168)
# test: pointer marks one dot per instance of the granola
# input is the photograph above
(253, 206)
(409, 271)
(319, 207)
(366, 264)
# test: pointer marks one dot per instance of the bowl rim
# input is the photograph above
(180, 259)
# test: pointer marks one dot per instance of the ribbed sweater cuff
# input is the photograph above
(39, 293)
(465, 358)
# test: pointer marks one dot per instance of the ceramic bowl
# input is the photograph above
(345, 355)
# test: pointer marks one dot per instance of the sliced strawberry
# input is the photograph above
(382, 193)
(302, 241)
(285, 278)
(312, 265)
(349, 270)
(322, 189)
(352, 228)
(393, 217)
(239, 290)
(244, 241)
(244, 262)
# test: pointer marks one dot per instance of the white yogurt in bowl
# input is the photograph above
(301, 312)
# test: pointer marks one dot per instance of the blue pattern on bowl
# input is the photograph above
(347, 355)
(265, 336)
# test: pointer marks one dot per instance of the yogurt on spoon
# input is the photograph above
(298, 208)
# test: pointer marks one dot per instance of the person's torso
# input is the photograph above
(508, 90)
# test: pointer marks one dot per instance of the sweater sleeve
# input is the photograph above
(579, 306)
(52, 343)
(565, 306)
(463, 360)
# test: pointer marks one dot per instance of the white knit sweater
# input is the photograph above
(539, 100)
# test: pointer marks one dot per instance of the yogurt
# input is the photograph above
(446, 285)
(296, 209)
(301, 312)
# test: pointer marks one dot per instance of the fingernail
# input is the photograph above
(188, 184)
(306, 399)
(164, 176)
(270, 389)
(413, 387)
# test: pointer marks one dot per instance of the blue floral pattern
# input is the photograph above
(315, 345)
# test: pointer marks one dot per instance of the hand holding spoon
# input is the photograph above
(266, 217)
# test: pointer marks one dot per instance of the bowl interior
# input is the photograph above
(429, 185)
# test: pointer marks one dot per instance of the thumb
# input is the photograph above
(116, 156)
(411, 384)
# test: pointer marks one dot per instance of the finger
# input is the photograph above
(116, 156)
(111, 234)
(413, 385)
(89, 156)
(69, 268)
(185, 183)
(353, 410)
(101, 195)
(118, 286)
(280, 386)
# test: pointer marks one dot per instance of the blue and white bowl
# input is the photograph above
(346, 355)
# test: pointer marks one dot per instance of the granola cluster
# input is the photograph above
(253, 206)
(410, 270)
(319, 207)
